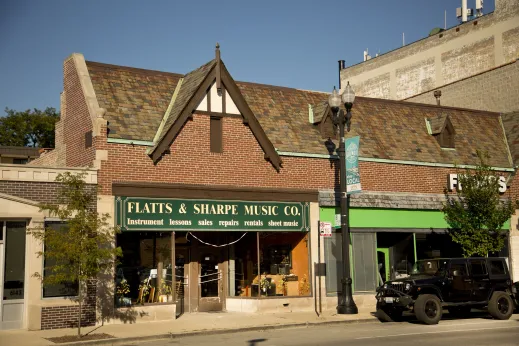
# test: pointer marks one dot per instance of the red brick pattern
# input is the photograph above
(66, 316)
(77, 120)
(242, 164)
(36, 191)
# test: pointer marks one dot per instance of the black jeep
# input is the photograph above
(457, 284)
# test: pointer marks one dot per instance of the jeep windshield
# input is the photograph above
(429, 267)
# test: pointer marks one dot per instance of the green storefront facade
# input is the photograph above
(385, 243)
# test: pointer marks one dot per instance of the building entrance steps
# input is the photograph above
(188, 324)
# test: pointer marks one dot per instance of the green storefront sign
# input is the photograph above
(166, 214)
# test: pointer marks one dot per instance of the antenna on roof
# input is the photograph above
(218, 72)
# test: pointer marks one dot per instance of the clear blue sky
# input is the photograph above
(294, 43)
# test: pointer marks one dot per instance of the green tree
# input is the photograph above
(86, 249)
(28, 128)
(476, 213)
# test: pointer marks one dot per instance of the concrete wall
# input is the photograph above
(460, 52)
(496, 90)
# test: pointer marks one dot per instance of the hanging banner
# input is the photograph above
(352, 165)
(167, 214)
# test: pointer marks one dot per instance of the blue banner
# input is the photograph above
(352, 165)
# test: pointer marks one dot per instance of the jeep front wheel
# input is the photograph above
(428, 309)
(500, 305)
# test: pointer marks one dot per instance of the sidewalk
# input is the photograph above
(188, 324)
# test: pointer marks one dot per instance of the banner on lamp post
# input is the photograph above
(352, 165)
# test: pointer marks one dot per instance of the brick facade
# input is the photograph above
(55, 316)
(242, 164)
(495, 90)
(36, 191)
(66, 316)
(77, 120)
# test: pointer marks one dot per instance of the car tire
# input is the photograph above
(428, 309)
(385, 313)
(501, 305)
(459, 311)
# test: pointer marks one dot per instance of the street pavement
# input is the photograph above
(474, 332)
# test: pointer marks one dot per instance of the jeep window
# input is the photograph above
(458, 269)
(429, 267)
(477, 267)
(497, 268)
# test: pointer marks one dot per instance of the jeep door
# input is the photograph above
(480, 280)
(459, 280)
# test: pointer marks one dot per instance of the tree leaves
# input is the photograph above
(476, 214)
(28, 128)
(86, 248)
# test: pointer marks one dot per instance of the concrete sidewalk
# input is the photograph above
(188, 324)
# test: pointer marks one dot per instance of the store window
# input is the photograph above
(65, 289)
(144, 274)
(283, 265)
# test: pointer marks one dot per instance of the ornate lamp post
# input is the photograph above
(346, 303)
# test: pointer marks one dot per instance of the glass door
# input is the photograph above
(210, 281)
(12, 273)
(383, 265)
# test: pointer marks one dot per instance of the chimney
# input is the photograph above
(342, 66)
(437, 94)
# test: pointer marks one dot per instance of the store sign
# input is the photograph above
(455, 184)
(166, 214)
(325, 229)
(352, 165)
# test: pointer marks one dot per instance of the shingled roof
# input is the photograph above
(511, 125)
(136, 101)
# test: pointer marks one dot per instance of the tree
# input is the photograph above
(85, 250)
(29, 128)
(477, 213)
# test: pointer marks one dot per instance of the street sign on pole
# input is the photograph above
(325, 229)
(352, 165)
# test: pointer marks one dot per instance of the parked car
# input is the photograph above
(457, 284)
(515, 294)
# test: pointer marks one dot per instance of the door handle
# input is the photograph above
(467, 280)
(485, 279)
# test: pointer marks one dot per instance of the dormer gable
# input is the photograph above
(442, 130)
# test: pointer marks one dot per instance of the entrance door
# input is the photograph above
(383, 265)
(12, 274)
(210, 281)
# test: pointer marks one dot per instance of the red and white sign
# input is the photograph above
(325, 229)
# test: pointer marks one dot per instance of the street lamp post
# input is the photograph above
(346, 303)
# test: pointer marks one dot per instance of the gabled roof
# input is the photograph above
(190, 84)
(511, 126)
(136, 101)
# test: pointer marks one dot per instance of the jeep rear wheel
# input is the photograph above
(501, 305)
(387, 313)
(428, 309)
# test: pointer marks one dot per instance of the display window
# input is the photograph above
(280, 268)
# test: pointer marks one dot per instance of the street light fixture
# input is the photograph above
(346, 303)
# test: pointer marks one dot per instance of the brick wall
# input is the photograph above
(459, 52)
(36, 191)
(495, 90)
(242, 164)
(77, 119)
(66, 316)
(55, 316)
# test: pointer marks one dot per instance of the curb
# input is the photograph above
(119, 341)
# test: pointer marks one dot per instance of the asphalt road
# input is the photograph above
(474, 332)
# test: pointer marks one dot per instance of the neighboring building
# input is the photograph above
(217, 184)
(18, 155)
(456, 61)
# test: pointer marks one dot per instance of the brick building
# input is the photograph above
(218, 187)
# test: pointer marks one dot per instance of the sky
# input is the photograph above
(292, 43)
